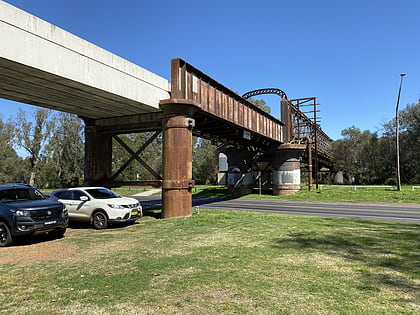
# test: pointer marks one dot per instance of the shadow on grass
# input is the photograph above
(154, 212)
(380, 246)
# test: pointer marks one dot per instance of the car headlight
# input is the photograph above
(22, 213)
(116, 206)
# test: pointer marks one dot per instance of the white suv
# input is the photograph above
(98, 205)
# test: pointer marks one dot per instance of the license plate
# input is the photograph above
(134, 212)
(50, 222)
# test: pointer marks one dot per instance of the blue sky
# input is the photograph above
(348, 54)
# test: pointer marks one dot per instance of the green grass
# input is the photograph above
(326, 194)
(219, 262)
(323, 194)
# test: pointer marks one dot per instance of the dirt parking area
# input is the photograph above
(38, 247)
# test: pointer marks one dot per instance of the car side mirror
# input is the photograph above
(84, 198)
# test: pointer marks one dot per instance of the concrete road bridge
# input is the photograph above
(43, 65)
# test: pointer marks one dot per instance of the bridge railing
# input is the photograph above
(304, 127)
(189, 83)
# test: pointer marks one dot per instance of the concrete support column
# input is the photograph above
(239, 179)
(286, 169)
(98, 156)
(177, 181)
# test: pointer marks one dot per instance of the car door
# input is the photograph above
(65, 197)
(74, 205)
(80, 204)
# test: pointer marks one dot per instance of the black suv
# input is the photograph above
(24, 211)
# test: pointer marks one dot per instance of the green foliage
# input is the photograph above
(219, 262)
(10, 163)
(32, 135)
(261, 104)
(371, 159)
(63, 166)
(205, 162)
(410, 144)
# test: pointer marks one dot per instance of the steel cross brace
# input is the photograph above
(135, 156)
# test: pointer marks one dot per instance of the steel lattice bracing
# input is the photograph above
(304, 127)
(301, 126)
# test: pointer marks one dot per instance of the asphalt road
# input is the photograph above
(370, 211)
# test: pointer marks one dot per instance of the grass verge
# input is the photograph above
(220, 262)
(326, 194)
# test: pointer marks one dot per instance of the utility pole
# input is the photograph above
(397, 131)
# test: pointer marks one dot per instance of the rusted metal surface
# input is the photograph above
(177, 163)
(201, 106)
(98, 155)
(276, 91)
(299, 126)
(214, 99)
(304, 126)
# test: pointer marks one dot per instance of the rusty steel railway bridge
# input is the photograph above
(202, 107)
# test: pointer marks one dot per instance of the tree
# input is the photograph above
(205, 162)
(10, 162)
(261, 104)
(410, 143)
(357, 154)
(371, 159)
(32, 136)
(63, 165)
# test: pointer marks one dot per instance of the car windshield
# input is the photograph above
(102, 193)
(20, 194)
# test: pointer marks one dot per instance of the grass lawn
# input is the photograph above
(323, 194)
(218, 262)
(328, 194)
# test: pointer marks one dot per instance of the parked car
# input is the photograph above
(25, 211)
(98, 205)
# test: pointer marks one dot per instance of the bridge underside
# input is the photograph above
(30, 85)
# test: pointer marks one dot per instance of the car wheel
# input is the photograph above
(99, 220)
(57, 233)
(5, 235)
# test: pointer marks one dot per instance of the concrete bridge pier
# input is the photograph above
(98, 155)
(286, 169)
(240, 180)
(177, 180)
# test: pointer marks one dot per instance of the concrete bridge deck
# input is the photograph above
(41, 64)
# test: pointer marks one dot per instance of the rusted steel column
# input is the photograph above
(177, 181)
(286, 169)
(286, 118)
(98, 156)
(309, 148)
